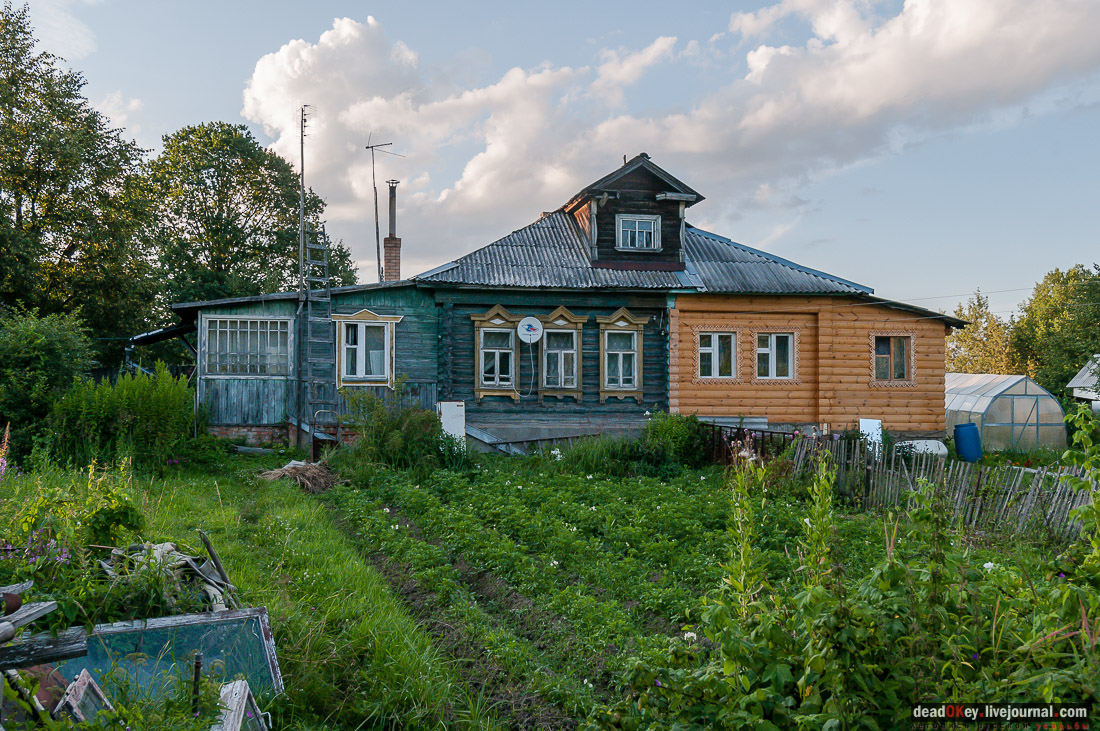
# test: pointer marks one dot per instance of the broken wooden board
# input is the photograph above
(241, 712)
(83, 700)
(44, 648)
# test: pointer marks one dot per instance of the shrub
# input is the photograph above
(39, 358)
(392, 433)
(148, 418)
(681, 437)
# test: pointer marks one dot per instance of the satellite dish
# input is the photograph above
(529, 330)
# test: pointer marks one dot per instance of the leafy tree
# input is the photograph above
(227, 216)
(1057, 331)
(40, 356)
(981, 346)
(72, 202)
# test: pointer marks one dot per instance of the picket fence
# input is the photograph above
(1005, 499)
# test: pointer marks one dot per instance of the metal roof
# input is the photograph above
(724, 266)
(553, 253)
(1088, 376)
(550, 253)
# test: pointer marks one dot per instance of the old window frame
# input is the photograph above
(622, 321)
(497, 352)
(364, 319)
(561, 320)
(497, 318)
(625, 218)
(910, 379)
(266, 364)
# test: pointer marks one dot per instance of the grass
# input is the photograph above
(351, 655)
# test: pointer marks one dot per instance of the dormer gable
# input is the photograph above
(633, 218)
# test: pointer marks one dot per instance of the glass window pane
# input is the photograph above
(488, 367)
(553, 371)
(569, 370)
(628, 369)
(762, 342)
(706, 368)
(559, 341)
(762, 369)
(725, 356)
(374, 357)
(620, 341)
(613, 369)
(704, 341)
(783, 356)
(351, 367)
(882, 346)
(901, 362)
(882, 367)
(497, 339)
(505, 358)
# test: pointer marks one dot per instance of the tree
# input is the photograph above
(227, 216)
(981, 346)
(72, 203)
(1059, 327)
(39, 358)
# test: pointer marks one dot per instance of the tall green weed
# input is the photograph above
(146, 418)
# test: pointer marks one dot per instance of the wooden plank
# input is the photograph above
(30, 612)
(44, 648)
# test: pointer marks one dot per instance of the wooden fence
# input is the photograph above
(1006, 499)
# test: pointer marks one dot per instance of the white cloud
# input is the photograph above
(485, 159)
(119, 111)
(621, 68)
(59, 31)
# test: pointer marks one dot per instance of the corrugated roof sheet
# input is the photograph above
(1088, 376)
(552, 252)
(979, 384)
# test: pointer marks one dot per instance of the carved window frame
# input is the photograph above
(368, 318)
(622, 321)
(562, 320)
(795, 331)
(911, 356)
(738, 364)
(497, 318)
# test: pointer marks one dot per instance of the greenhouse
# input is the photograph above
(1011, 412)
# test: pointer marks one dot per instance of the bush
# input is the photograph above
(683, 439)
(147, 418)
(393, 434)
(39, 358)
(668, 443)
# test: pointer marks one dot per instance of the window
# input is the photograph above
(717, 355)
(621, 353)
(247, 347)
(559, 359)
(366, 350)
(497, 348)
(638, 232)
(774, 355)
(892, 358)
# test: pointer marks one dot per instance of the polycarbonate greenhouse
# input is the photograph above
(1012, 412)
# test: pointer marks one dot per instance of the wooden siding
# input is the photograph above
(255, 401)
(251, 401)
(833, 382)
(457, 356)
(638, 195)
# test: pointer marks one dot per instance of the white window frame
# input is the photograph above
(257, 365)
(482, 351)
(771, 350)
(361, 352)
(365, 318)
(711, 354)
(608, 353)
(621, 218)
(547, 353)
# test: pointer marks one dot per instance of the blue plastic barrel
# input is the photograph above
(968, 442)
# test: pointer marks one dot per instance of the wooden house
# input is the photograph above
(640, 312)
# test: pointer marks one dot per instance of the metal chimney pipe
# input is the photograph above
(393, 207)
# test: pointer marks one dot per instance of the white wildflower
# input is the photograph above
(989, 565)
(385, 510)
(592, 508)
(807, 522)
(553, 562)
(588, 477)
(689, 636)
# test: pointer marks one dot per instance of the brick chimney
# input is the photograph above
(391, 245)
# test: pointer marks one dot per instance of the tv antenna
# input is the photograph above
(303, 114)
(374, 182)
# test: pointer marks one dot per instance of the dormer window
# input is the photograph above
(637, 232)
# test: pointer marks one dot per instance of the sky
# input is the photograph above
(925, 148)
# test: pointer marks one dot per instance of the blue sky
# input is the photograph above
(924, 148)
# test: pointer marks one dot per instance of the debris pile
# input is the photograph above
(313, 477)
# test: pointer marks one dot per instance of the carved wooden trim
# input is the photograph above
(562, 320)
(909, 382)
(390, 323)
(738, 369)
(796, 372)
(621, 321)
(497, 318)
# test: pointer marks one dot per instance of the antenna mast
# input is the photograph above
(302, 199)
(374, 183)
